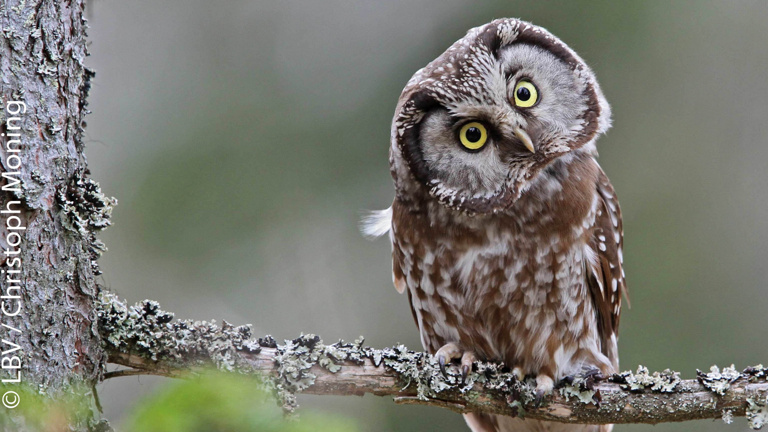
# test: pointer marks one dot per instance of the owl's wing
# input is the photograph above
(605, 275)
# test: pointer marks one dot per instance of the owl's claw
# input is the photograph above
(464, 372)
(450, 352)
(587, 379)
(441, 363)
(446, 354)
(466, 365)
(595, 374)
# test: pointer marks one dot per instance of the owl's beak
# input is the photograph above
(525, 138)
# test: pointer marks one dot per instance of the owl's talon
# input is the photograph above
(450, 352)
(441, 363)
(593, 376)
(567, 380)
(596, 374)
(464, 372)
(588, 379)
(466, 365)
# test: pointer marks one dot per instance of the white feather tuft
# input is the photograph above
(376, 223)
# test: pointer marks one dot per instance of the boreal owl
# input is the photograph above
(506, 233)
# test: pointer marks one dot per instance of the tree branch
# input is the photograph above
(147, 339)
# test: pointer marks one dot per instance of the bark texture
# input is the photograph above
(43, 86)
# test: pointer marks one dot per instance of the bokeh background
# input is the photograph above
(243, 140)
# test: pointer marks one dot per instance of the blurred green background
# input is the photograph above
(244, 138)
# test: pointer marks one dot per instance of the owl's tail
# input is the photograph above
(494, 423)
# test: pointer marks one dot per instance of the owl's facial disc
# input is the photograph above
(461, 153)
(476, 126)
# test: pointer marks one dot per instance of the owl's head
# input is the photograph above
(477, 125)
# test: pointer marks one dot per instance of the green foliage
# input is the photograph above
(218, 402)
(35, 411)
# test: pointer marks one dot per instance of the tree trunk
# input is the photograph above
(50, 212)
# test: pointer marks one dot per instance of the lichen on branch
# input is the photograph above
(147, 339)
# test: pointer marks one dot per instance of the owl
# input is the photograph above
(506, 233)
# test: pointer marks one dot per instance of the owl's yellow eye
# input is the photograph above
(526, 94)
(473, 136)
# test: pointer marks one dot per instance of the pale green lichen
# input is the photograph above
(296, 357)
(85, 207)
(86, 211)
(727, 416)
(757, 412)
(423, 371)
(580, 390)
(494, 377)
(717, 381)
(663, 382)
(147, 330)
(755, 373)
